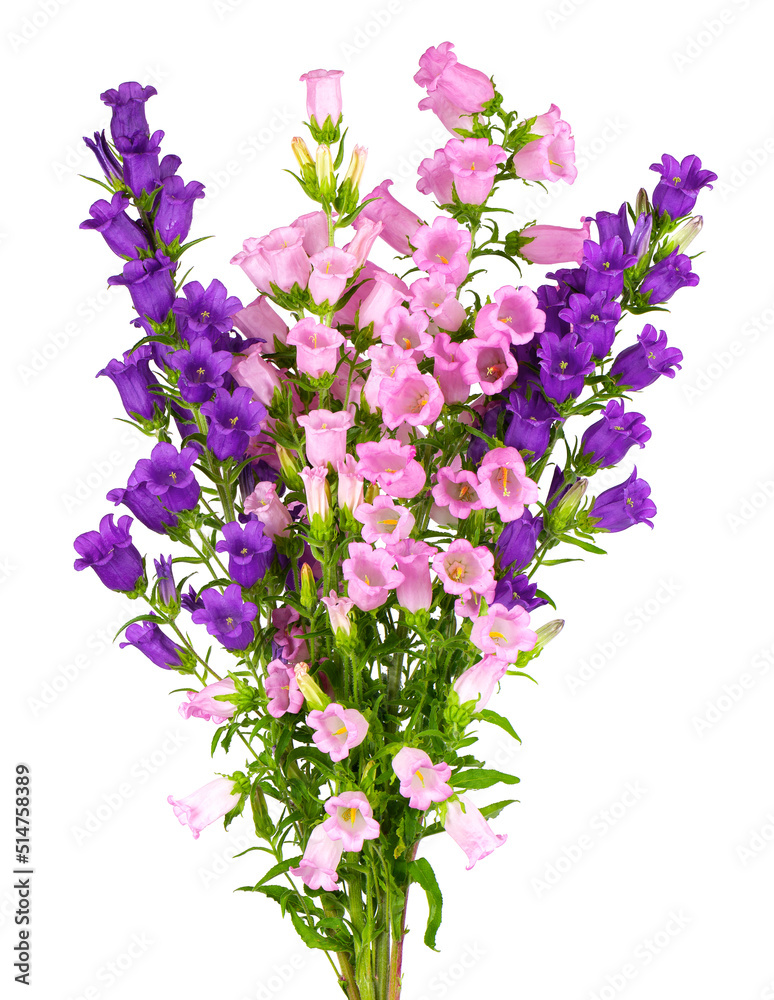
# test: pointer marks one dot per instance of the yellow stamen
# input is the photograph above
(407, 342)
(233, 421)
(506, 491)
(388, 522)
(340, 731)
(349, 815)
(419, 775)
(675, 180)
(229, 622)
(563, 364)
(243, 552)
(496, 635)
(457, 573)
(200, 371)
(554, 163)
(205, 315)
(173, 476)
(442, 259)
(367, 581)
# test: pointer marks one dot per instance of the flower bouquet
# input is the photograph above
(363, 470)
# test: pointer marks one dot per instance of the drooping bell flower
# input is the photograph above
(478, 682)
(465, 87)
(514, 312)
(399, 223)
(594, 321)
(622, 506)
(514, 588)
(282, 690)
(326, 435)
(392, 466)
(517, 541)
(468, 828)
(202, 704)
(447, 365)
(550, 158)
(337, 730)
(370, 574)
(640, 365)
(607, 441)
(167, 474)
(384, 519)
(323, 95)
(201, 370)
(462, 568)
(679, 184)
(140, 156)
(123, 235)
(233, 419)
(150, 285)
(350, 820)
(504, 484)
(175, 210)
(206, 312)
(473, 164)
(564, 365)
(227, 617)
(264, 504)
(249, 550)
(127, 104)
(110, 553)
(412, 558)
(605, 264)
(665, 278)
(503, 632)
(421, 781)
(442, 249)
(134, 379)
(257, 320)
(529, 427)
(146, 506)
(317, 867)
(317, 347)
(206, 805)
(387, 292)
(457, 490)
(436, 178)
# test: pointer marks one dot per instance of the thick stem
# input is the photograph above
(396, 957)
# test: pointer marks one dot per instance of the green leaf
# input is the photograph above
(313, 939)
(278, 869)
(489, 812)
(586, 546)
(421, 872)
(482, 778)
(497, 720)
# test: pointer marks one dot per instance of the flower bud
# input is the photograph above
(326, 182)
(315, 697)
(642, 205)
(347, 198)
(567, 507)
(305, 162)
(308, 586)
(546, 633)
(682, 238)
(290, 468)
(263, 824)
(372, 492)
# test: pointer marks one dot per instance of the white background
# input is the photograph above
(670, 895)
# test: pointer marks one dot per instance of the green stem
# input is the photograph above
(363, 970)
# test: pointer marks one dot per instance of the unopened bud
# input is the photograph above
(548, 632)
(326, 182)
(567, 507)
(640, 241)
(301, 152)
(291, 468)
(682, 238)
(347, 198)
(372, 492)
(308, 586)
(642, 205)
(310, 689)
(263, 824)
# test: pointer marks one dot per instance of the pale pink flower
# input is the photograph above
(478, 682)
(457, 490)
(392, 466)
(514, 312)
(438, 299)
(436, 178)
(258, 320)
(440, 72)
(442, 248)
(337, 730)
(286, 258)
(338, 612)
(205, 805)
(399, 222)
(421, 781)
(546, 123)
(314, 226)
(370, 574)
(289, 634)
(202, 704)
(317, 346)
(473, 164)
(503, 632)
(269, 509)
(317, 868)
(410, 398)
(282, 690)
(350, 484)
(503, 483)
(318, 493)
(251, 370)
(450, 114)
(469, 605)
(385, 361)
(363, 242)
(351, 820)
(332, 268)
(250, 258)
(556, 244)
(550, 158)
(407, 331)
(488, 361)
(468, 828)
(413, 560)
(323, 94)
(387, 291)
(365, 285)
(326, 435)
(446, 368)
(442, 516)
(462, 567)
(384, 519)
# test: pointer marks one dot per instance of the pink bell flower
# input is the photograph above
(447, 368)
(556, 244)
(469, 605)
(332, 268)
(392, 466)
(384, 519)
(386, 359)
(473, 164)
(323, 94)
(351, 820)
(550, 158)
(442, 249)
(254, 372)
(466, 87)
(252, 261)
(457, 490)
(388, 291)
(338, 612)
(314, 227)
(514, 312)
(337, 730)
(468, 828)
(282, 690)
(410, 398)
(503, 632)
(437, 298)
(546, 123)
(413, 561)
(289, 635)
(503, 483)
(269, 509)
(450, 114)
(478, 682)
(488, 361)
(206, 805)
(202, 704)
(350, 484)
(399, 222)
(408, 331)
(286, 259)
(370, 575)
(436, 178)
(421, 781)
(364, 240)
(258, 320)
(318, 493)
(462, 567)
(317, 868)
(317, 346)
(326, 435)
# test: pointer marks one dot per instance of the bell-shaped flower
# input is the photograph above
(421, 781)
(203, 705)
(123, 235)
(337, 730)
(503, 483)
(282, 690)
(111, 554)
(593, 320)
(150, 285)
(623, 505)
(175, 208)
(457, 490)
(529, 427)
(250, 551)
(206, 312)
(488, 362)
(607, 441)
(447, 364)
(564, 364)
(233, 419)
(442, 249)
(640, 365)
(503, 632)
(555, 244)
(317, 347)
(350, 820)
(468, 828)
(408, 331)
(473, 163)
(399, 223)
(317, 868)
(440, 72)
(152, 641)
(550, 158)
(264, 503)
(259, 321)
(478, 682)
(437, 298)
(514, 312)
(134, 380)
(412, 558)
(349, 484)
(410, 398)
(436, 178)
(370, 575)
(323, 95)
(140, 161)
(392, 466)
(206, 805)
(227, 616)
(201, 370)
(332, 268)
(679, 184)
(339, 609)
(326, 435)
(127, 106)
(463, 567)
(384, 519)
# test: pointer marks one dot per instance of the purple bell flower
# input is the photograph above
(166, 580)
(607, 441)
(570, 279)
(514, 590)
(128, 107)
(158, 647)
(133, 379)
(190, 601)
(122, 234)
(640, 241)
(201, 370)
(529, 429)
(564, 365)
(111, 554)
(664, 278)
(552, 300)
(150, 284)
(109, 164)
(140, 154)
(594, 321)
(175, 208)
(612, 224)
(640, 365)
(605, 266)
(145, 506)
(680, 183)
(227, 616)
(167, 474)
(249, 551)
(233, 420)
(206, 312)
(518, 541)
(622, 506)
